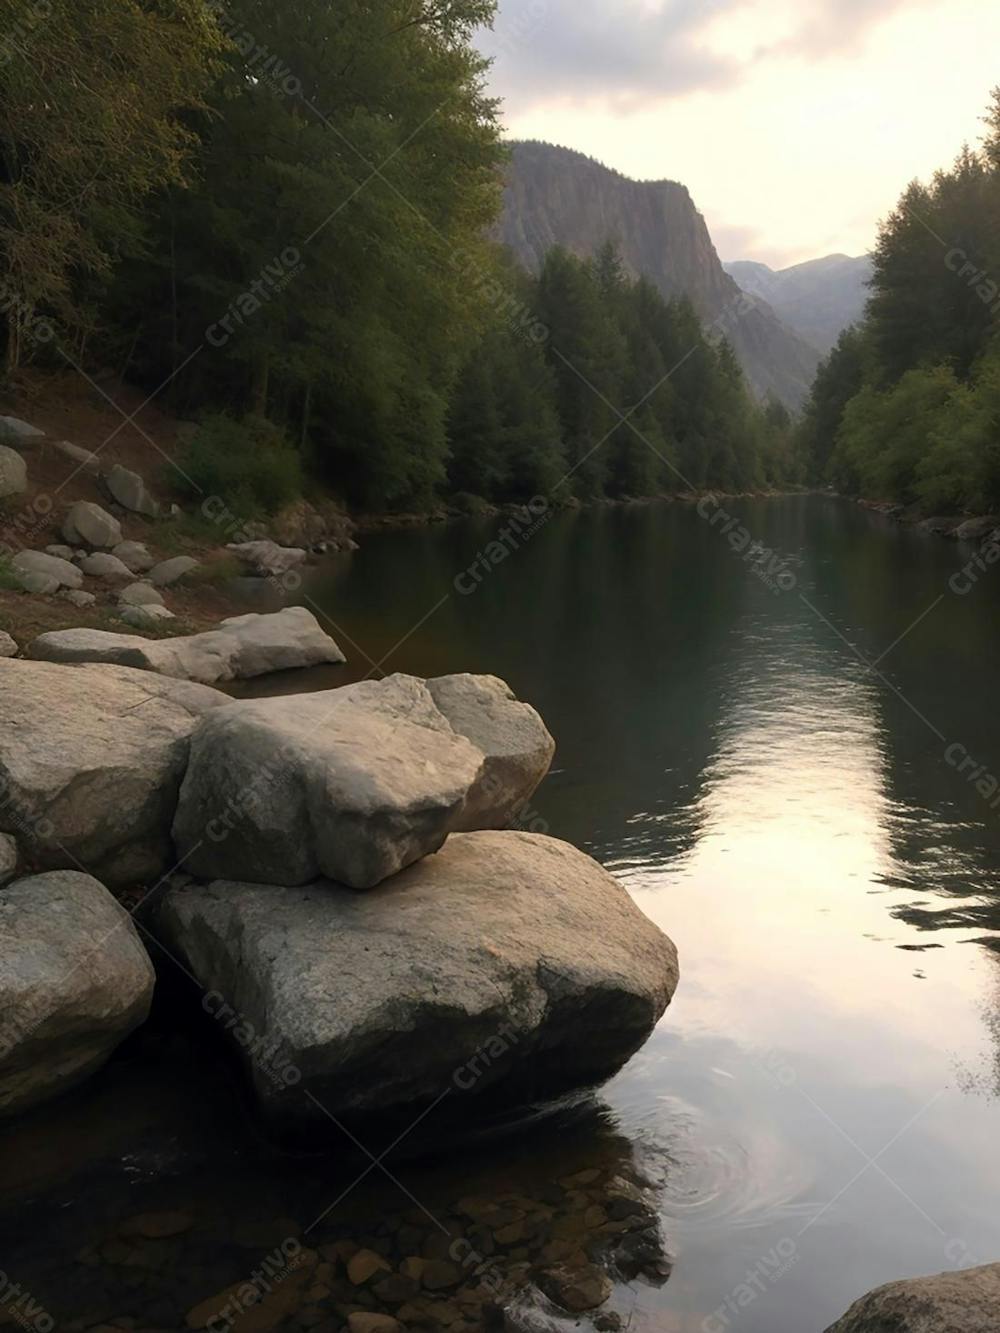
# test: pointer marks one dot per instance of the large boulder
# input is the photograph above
(37, 564)
(962, 1302)
(87, 524)
(241, 648)
(267, 558)
(91, 761)
(13, 473)
(512, 736)
(129, 490)
(475, 971)
(74, 982)
(354, 784)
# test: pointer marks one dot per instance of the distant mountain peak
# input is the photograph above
(818, 298)
(559, 196)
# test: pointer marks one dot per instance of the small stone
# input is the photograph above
(103, 565)
(140, 594)
(135, 555)
(396, 1289)
(608, 1323)
(595, 1216)
(364, 1265)
(362, 1321)
(511, 1235)
(12, 428)
(413, 1267)
(76, 597)
(158, 1226)
(61, 552)
(168, 572)
(440, 1274)
(8, 648)
(84, 459)
(581, 1180)
(144, 617)
(576, 1289)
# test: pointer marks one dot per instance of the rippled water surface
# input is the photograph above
(774, 770)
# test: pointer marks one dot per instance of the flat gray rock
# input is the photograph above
(13, 428)
(241, 648)
(168, 572)
(48, 567)
(135, 556)
(962, 1302)
(512, 736)
(85, 460)
(475, 973)
(353, 784)
(91, 761)
(75, 980)
(87, 524)
(13, 473)
(140, 594)
(129, 490)
(104, 565)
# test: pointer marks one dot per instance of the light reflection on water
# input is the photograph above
(819, 1105)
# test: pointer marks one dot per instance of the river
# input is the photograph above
(776, 757)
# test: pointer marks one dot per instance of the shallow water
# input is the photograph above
(770, 761)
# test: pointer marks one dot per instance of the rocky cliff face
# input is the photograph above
(555, 196)
(818, 299)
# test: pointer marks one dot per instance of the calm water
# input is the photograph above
(820, 1103)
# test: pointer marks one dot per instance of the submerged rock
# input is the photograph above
(964, 1302)
(91, 760)
(242, 647)
(511, 735)
(473, 974)
(354, 784)
(74, 982)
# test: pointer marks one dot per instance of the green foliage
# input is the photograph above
(907, 407)
(249, 464)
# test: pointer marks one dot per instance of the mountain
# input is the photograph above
(818, 299)
(555, 196)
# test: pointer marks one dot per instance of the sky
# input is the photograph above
(795, 125)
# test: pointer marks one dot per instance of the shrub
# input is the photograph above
(249, 464)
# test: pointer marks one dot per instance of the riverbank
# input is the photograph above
(983, 529)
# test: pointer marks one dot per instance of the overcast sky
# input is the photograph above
(796, 124)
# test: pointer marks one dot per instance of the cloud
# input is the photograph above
(587, 49)
(829, 28)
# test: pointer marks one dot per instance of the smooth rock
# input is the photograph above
(512, 736)
(77, 597)
(977, 529)
(509, 967)
(8, 647)
(12, 428)
(135, 556)
(13, 473)
(129, 490)
(60, 552)
(354, 784)
(140, 594)
(242, 647)
(87, 524)
(85, 460)
(145, 615)
(75, 980)
(576, 1289)
(91, 761)
(42, 584)
(266, 558)
(103, 565)
(8, 858)
(960, 1302)
(168, 572)
(365, 1265)
(48, 567)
